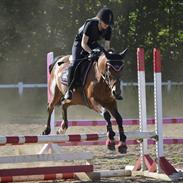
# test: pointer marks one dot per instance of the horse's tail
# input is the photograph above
(53, 64)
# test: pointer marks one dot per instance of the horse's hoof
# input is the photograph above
(110, 145)
(122, 148)
(46, 131)
(63, 128)
(61, 131)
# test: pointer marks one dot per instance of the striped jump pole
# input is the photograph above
(53, 147)
(150, 121)
(83, 173)
(50, 58)
(43, 173)
(162, 164)
(145, 160)
(167, 141)
(41, 139)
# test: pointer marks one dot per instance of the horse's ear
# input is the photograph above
(123, 53)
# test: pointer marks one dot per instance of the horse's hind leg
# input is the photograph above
(110, 143)
(64, 124)
(51, 106)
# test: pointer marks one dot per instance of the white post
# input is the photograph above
(158, 106)
(142, 103)
(46, 147)
(50, 58)
(20, 88)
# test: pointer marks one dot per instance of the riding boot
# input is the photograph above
(68, 94)
(117, 91)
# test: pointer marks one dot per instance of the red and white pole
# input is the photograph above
(50, 58)
(142, 102)
(162, 164)
(145, 160)
(158, 105)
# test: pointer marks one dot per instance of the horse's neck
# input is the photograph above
(99, 74)
(96, 73)
(100, 69)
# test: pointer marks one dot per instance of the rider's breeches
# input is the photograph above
(77, 53)
(76, 58)
(71, 77)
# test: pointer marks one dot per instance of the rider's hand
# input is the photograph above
(94, 54)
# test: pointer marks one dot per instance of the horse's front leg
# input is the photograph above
(64, 124)
(47, 130)
(112, 107)
(51, 106)
(122, 147)
(110, 143)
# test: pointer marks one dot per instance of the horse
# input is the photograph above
(97, 94)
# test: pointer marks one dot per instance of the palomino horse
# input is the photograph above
(98, 90)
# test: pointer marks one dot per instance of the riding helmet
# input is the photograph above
(106, 15)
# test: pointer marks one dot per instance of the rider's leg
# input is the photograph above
(76, 56)
(117, 91)
(71, 79)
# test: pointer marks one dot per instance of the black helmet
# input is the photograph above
(106, 15)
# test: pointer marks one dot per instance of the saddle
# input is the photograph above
(80, 74)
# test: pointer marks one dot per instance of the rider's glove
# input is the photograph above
(95, 53)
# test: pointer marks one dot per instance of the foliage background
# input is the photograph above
(31, 28)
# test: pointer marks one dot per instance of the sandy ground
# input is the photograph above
(102, 158)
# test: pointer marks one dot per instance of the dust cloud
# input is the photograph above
(32, 106)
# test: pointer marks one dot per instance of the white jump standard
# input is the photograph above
(163, 168)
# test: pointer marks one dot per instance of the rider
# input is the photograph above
(85, 42)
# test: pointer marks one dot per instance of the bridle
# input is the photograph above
(107, 76)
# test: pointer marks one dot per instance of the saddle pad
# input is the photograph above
(64, 76)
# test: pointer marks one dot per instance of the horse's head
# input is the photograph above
(111, 65)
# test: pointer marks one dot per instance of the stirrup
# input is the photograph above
(68, 95)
